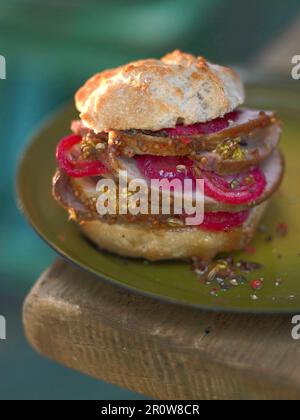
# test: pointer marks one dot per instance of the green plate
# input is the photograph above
(175, 281)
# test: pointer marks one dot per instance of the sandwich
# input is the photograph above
(178, 118)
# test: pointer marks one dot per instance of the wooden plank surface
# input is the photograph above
(161, 350)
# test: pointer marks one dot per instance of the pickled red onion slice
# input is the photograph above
(240, 189)
(209, 127)
(72, 166)
(222, 221)
(168, 167)
(232, 119)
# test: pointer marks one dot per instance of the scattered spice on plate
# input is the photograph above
(257, 284)
(223, 273)
(234, 282)
(200, 267)
(262, 228)
(248, 266)
(250, 250)
(214, 292)
(282, 229)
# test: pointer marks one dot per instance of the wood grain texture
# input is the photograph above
(161, 350)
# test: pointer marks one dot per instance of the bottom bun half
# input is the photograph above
(132, 240)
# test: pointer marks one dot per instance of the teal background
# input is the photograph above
(51, 47)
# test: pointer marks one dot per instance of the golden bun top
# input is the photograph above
(154, 94)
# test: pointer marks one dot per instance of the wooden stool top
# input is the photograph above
(162, 350)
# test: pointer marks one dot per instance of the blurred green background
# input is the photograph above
(51, 47)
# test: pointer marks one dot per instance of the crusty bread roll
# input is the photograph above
(154, 94)
(132, 240)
